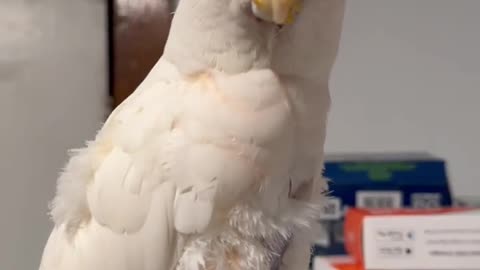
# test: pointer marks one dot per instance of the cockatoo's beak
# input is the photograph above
(280, 12)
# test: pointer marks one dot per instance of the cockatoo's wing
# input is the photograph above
(122, 191)
(121, 172)
(113, 200)
(94, 246)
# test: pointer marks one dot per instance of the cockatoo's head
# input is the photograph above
(279, 12)
(228, 35)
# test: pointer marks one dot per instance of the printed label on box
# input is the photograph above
(332, 209)
(441, 242)
(426, 200)
(378, 199)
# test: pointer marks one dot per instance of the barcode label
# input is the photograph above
(332, 209)
(426, 200)
(378, 199)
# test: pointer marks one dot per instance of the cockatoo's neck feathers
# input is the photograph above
(219, 36)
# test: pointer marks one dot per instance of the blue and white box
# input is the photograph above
(407, 180)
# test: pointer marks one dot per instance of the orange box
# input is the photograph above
(354, 222)
(348, 266)
(335, 263)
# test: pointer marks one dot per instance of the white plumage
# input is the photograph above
(195, 169)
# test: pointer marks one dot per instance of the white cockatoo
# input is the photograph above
(304, 55)
(192, 171)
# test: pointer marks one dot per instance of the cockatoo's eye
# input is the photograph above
(280, 12)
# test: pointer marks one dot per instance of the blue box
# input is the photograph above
(405, 180)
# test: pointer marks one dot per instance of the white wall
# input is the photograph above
(52, 97)
(408, 78)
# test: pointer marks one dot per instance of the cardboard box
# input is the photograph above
(442, 239)
(412, 180)
(324, 263)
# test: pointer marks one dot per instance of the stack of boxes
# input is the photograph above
(371, 181)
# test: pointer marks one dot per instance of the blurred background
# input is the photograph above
(407, 79)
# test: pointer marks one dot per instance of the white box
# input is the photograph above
(422, 242)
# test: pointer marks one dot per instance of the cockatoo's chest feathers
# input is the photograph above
(251, 107)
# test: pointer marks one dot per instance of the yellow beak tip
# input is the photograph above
(279, 11)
